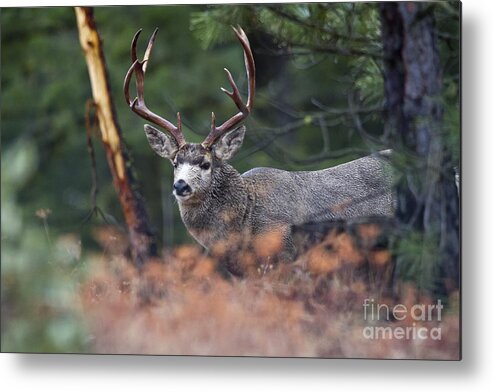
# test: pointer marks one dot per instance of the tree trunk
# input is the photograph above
(142, 241)
(427, 197)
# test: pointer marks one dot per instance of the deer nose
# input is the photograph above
(182, 188)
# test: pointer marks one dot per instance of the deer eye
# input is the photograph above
(205, 166)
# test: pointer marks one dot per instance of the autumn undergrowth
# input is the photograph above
(179, 304)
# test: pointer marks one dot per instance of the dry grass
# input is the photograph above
(312, 308)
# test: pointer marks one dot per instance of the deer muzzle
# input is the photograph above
(182, 188)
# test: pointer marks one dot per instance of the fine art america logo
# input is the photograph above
(420, 314)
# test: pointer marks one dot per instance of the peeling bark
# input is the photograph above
(142, 241)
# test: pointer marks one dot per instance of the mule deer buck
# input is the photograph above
(218, 203)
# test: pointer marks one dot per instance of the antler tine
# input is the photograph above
(244, 110)
(235, 95)
(138, 104)
(148, 51)
(249, 65)
(133, 47)
(126, 82)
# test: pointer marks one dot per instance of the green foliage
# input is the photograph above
(418, 260)
(314, 57)
(208, 25)
(39, 278)
(447, 15)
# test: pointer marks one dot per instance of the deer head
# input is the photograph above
(194, 163)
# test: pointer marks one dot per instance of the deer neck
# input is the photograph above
(222, 211)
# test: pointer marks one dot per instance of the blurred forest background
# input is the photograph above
(319, 102)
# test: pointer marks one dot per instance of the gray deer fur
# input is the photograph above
(221, 206)
(225, 203)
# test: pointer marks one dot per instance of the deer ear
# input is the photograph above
(229, 143)
(163, 144)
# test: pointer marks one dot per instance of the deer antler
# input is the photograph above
(244, 110)
(138, 104)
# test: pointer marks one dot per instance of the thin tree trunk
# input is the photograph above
(142, 241)
(427, 199)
